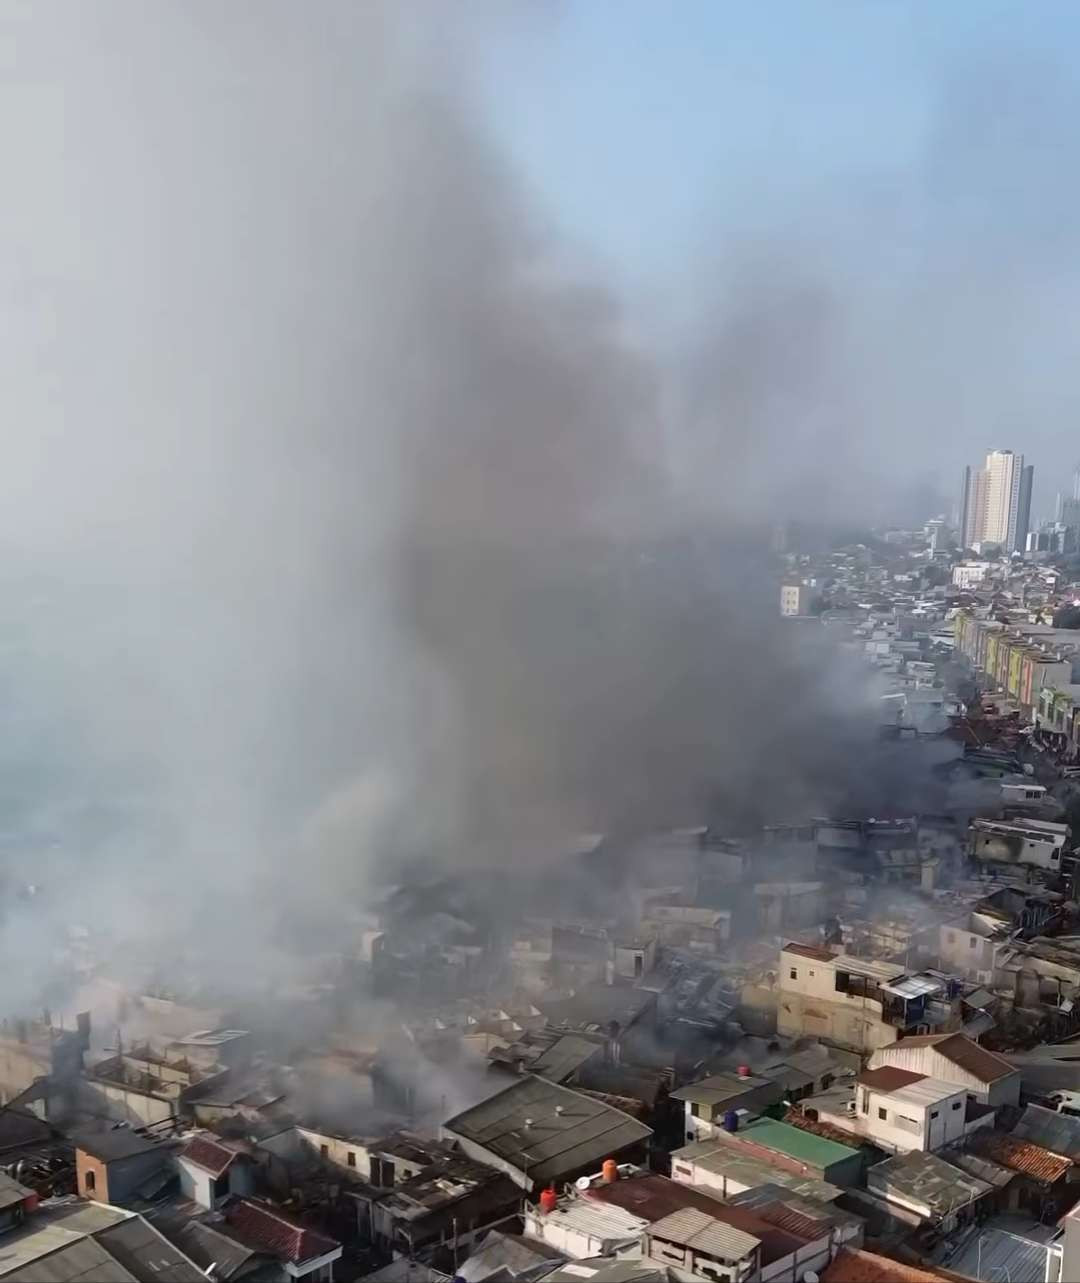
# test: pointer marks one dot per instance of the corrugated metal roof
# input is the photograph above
(978, 1165)
(793, 1141)
(962, 1052)
(1054, 1131)
(926, 1180)
(980, 998)
(81, 1262)
(880, 971)
(914, 986)
(694, 1229)
(717, 1088)
(927, 1092)
(564, 1055)
(991, 1252)
(727, 1161)
(546, 1129)
(599, 1220)
(147, 1254)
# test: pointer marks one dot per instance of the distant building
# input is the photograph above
(996, 502)
(794, 600)
(969, 573)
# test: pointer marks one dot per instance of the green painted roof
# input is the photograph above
(796, 1143)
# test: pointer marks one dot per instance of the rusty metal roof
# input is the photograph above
(965, 1054)
(1019, 1155)
(888, 1078)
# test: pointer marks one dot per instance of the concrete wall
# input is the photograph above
(966, 953)
(908, 1126)
(21, 1063)
(856, 1023)
(125, 1104)
(335, 1150)
(197, 1184)
(118, 1181)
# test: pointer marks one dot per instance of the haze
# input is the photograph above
(358, 505)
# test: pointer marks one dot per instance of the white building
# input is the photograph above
(997, 502)
(794, 599)
(708, 1101)
(849, 1002)
(1037, 843)
(969, 573)
(899, 1110)
(954, 1058)
(581, 1228)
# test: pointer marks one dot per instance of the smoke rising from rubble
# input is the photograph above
(339, 520)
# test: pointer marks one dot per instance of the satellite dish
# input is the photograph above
(582, 1183)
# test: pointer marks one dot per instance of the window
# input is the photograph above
(352, 1158)
(794, 974)
(811, 971)
(695, 1111)
(883, 1114)
(843, 982)
(950, 936)
(91, 1182)
(957, 1103)
(866, 1102)
(933, 1113)
(971, 942)
(324, 1151)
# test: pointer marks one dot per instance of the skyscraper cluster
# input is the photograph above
(995, 503)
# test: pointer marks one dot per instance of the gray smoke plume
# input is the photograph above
(343, 522)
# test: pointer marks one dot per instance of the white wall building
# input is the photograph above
(898, 1110)
(794, 599)
(969, 573)
(954, 1058)
(1037, 843)
(997, 502)
(834, 997)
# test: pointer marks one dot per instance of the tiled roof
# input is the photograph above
(271, 1230)
(827, 1131)
(888, 1078)
(858, 1266)
(1019, 1155)
(965, 1054)
(209, 1154)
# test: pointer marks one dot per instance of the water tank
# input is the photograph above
(731, 1121)
(610, 1171)
(549, 1200)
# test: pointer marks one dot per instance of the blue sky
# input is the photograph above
(643, 122)
(917, 156)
